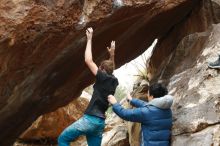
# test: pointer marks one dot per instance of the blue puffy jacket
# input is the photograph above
(155, 118)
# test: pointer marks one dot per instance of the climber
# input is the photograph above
(155, 116)
(215, 64)
(92, 123)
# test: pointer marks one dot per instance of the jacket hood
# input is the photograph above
(164, 102)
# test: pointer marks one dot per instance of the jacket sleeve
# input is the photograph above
(137, 102)
(133, 115)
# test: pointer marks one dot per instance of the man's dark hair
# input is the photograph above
(157, 90)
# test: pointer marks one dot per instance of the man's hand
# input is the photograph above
(89, 32)
(111, 50)
(129, 98)
(111, 99)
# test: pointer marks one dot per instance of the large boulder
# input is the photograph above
(42, 45)
(180, 60)
(167, 58)
(48, 127)
(195, 87)
(184, 68)
(116, 132)
(196, 110)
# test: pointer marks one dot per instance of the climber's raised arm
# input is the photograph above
(111, 51)
(88, 53)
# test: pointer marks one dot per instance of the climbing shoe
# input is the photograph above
(215, 64)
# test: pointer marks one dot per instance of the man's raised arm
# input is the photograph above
(88, 53)
(111, 52)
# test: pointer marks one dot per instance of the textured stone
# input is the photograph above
(197, 97)
(209, 136)
(168, 53)
(116, 133)
(180, 60)
(194, 86)
(49, 126)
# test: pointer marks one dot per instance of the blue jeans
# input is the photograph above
(90, 126)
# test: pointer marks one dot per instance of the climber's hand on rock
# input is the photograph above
(111, 99)
(89, 32)
(111, 50)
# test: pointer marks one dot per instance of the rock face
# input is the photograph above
(116, 132)
(184, 67)
(42, 43)
(49, 126)
(196, 107)
(199, 20)
(197, 97)
(180, 59)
